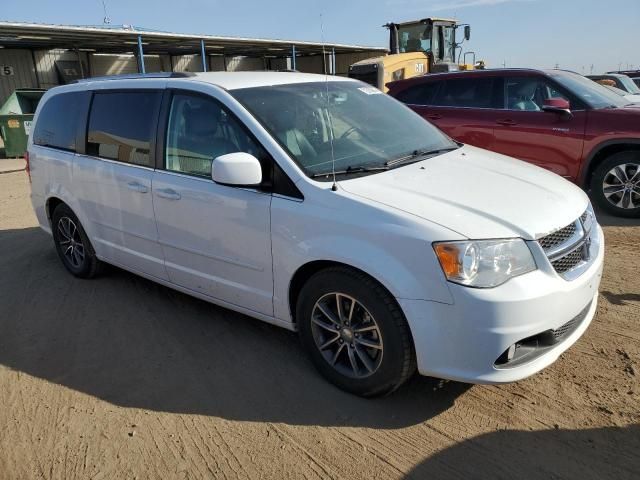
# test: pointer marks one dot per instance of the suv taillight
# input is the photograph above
(27, 168)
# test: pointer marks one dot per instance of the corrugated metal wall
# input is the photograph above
(24, 73)
(45, 63)
(104, 64)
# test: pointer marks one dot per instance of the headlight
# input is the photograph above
(484, 263)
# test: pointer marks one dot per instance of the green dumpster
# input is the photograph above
(16, 116)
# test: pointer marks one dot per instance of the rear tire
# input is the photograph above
(72, 244)
(615, 184)
(355, 332)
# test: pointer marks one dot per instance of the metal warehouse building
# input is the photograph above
(43, 56)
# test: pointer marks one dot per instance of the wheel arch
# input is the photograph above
(306, 271)
(603, 151)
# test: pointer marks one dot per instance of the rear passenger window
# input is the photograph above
(122, 126)
(58, 120)
(200, 129)
(467, 92)
(422, 94)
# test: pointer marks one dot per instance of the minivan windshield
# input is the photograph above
(363, 129)
(592, 93)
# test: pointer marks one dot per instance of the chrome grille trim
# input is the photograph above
(569, 248)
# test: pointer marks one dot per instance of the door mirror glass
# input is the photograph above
(239, 169)
(467, 32)
(557, 105)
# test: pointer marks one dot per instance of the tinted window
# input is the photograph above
(421, 94)
(594, 95)
(121, 126)
(475, 92)
(200, 129)
(57, 124)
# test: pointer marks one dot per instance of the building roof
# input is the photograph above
(124, 39)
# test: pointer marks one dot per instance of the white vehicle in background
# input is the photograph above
(323, 206)
(630, 97)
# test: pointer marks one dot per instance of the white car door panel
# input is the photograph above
(216, 239)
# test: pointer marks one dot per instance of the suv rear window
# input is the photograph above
(473, 92)
(57, 125)
(122, 126)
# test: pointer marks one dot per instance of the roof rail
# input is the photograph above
(132, 76)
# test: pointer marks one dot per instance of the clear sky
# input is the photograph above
(575, 34)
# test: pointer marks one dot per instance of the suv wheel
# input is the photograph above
(615, 184)
(72, 243)
(355, 332)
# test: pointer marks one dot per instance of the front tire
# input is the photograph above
(355, 332)
(615, 184)
(72, 244)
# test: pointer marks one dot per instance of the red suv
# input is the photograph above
(556, 119)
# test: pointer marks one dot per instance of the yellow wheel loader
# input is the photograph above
(418, 47)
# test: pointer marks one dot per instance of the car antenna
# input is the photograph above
(334, 187)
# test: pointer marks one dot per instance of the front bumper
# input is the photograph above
(463, 341)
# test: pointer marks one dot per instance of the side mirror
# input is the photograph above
(467, 32)
(557, 105)
(239, 169)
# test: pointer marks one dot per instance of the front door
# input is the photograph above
(523, 130)
(216, 239)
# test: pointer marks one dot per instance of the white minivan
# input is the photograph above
(324, 206)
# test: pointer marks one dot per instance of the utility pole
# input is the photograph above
(557, 66)
(592, 69)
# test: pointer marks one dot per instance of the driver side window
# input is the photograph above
(528, 93)
(199, 130)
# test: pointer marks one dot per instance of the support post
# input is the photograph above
(293, 57)
(204, 55)
(333, 61)
(80, 62)
(141, 56)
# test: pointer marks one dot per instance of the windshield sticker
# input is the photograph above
(370, 90)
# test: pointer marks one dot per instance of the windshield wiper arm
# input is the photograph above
(416, 154)
(351, 169)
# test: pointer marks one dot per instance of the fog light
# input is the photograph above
(511, 352)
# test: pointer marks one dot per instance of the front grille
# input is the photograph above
(568, 248)
(569, 261)
(558, 238)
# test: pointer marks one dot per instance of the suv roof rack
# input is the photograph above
(132, 76)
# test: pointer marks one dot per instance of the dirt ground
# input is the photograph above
(119, 378)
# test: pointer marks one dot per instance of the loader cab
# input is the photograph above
(434, 37)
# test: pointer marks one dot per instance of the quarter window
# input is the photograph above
(58, 121)
(467, 92)
(122, 125)
(199, 130)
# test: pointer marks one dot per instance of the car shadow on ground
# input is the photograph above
(584, 454)
(134, 343)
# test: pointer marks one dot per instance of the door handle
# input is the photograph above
(507, 122)
(137, 187)
(434, 116)
(168, 193)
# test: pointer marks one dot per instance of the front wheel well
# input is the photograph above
(602, 155)
(306, 271)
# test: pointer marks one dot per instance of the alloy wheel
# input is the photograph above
(347, 335)
(621, 185)
(70, 241)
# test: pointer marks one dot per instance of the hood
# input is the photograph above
(477, 193)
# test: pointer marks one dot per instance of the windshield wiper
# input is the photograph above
(351, 169)
(418, 154)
